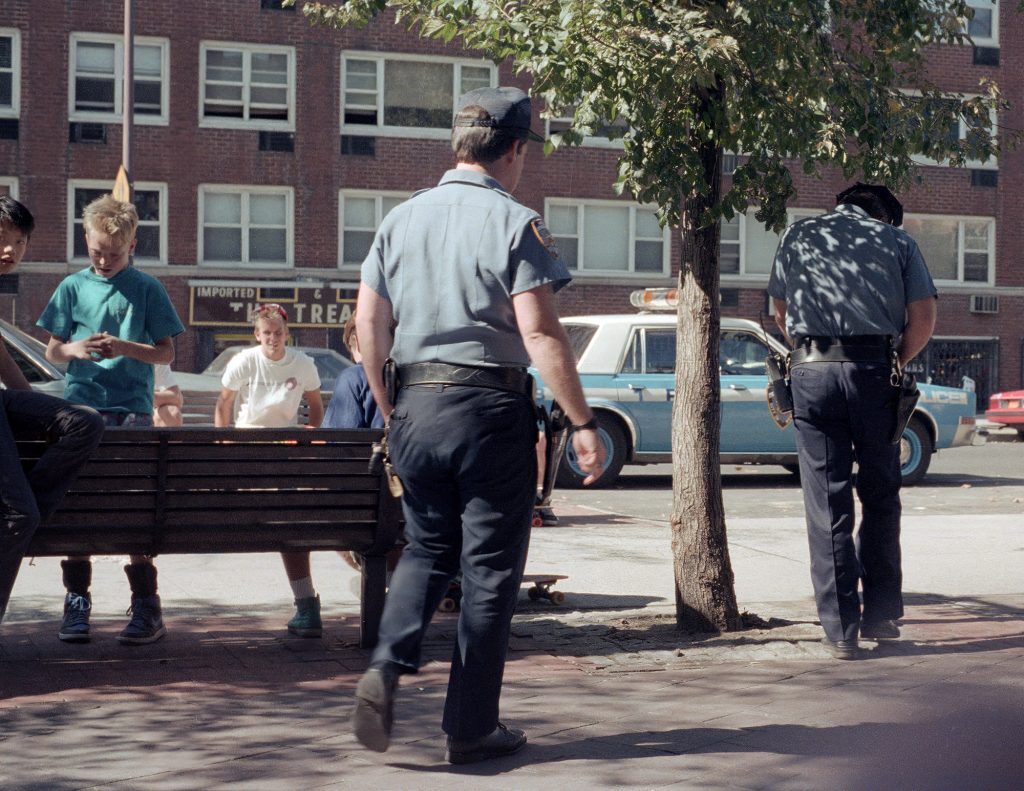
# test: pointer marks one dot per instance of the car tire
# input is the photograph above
(915, 452)
(570, 476)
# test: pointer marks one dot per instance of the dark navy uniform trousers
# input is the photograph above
(467, 462)
(845, 412)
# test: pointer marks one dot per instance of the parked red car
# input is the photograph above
(1007, 408)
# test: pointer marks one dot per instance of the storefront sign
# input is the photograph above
(230, 304)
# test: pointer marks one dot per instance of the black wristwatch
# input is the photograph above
(590, 424)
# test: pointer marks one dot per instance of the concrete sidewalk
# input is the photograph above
(611, 695)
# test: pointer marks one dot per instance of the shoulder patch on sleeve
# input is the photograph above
(540, 230)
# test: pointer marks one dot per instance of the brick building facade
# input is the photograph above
(265, 152)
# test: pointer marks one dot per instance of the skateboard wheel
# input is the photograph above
(447, 605)
(533, 593)
(556, 597)
(537, 521)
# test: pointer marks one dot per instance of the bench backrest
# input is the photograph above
(190, 489)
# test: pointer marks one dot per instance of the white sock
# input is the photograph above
(303, 588)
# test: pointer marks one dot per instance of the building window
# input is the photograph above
(150, 201)
(359, 215)
(984, 27)
(956, 249)
(247, 86)
(245, 226)
(10, 72)
(95, 90)
(605, 135)
(746, 247)
(9, 186)
(968, 130)
(406, 96)
(608, 237)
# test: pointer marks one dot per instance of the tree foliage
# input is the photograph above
(810, 84)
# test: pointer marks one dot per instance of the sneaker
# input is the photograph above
(842, 649)
(547, 516)
(306, 621)
(147, 623)
(498, 743)
(75, 626)
(375, 701)
(885, 629)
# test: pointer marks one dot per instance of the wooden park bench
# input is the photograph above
(149, 491)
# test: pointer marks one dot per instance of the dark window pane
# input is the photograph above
(361, 117)
(147, 98)
(222, 244)
(83, 197)
(976, 267)
(147, 242)
(267, 245)
(579, 337)
(633, 364)
(648, 257)
(147, 204)
(741, 354)
(93, 94)
(357, 245)
(568, 249)
(272, 113)
(6, 52)
(661, 351)
(6, 93)
(222, 111)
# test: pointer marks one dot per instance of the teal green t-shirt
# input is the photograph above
(133, 306)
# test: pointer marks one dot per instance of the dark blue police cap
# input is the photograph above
(506, 108)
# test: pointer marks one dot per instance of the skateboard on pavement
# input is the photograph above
(541, 585)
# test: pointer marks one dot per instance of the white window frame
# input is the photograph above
(378, 216)
(11, 182)
(14, 111)
(792, 215)
(961, 219)
(106, 186)
(971, 164)
(247, 50)
(988, 41)
(380, 129)
(144, 119)
(246, 191)
(624, 274)
(590, 141)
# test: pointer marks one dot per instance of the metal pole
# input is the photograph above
(128, 102)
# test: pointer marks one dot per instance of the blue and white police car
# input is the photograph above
(627, 365)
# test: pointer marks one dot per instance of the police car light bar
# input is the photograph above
(654, 299)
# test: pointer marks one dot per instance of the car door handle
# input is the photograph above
(670, 393)
(737, 387)
(636, 388)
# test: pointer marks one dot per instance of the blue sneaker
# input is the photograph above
(306, 621)
(75, 626)
(147, 623)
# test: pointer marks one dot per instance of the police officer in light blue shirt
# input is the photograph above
(468, 275)
(853, 295)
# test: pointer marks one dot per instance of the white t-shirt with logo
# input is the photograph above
(271, 389)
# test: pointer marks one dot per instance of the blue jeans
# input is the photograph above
(845, 412)
(466, 457)
(27, 499)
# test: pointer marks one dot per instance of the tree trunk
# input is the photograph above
(705, 596)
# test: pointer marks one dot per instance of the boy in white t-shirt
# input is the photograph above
(275, 379)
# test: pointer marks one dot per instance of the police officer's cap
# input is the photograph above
(892, 206)
(506, 108)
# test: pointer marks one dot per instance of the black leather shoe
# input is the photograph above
(842, 649)
(499, 742)
(880, 630)
(375, 699)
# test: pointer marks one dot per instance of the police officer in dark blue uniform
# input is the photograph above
(468, 276)
(853, 294)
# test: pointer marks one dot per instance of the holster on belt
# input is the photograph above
(556, 431)
(780, 396)
(390, 373)
(905, 404)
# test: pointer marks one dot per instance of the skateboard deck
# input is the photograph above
(540, 587)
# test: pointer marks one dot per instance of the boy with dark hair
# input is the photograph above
(111, 323)
(26, 499)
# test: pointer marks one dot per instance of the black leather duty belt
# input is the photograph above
(513, 380)
(847, 349)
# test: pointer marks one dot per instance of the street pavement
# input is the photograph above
(611, 694)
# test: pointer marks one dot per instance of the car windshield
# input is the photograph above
(220, 362)
(580, 336)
